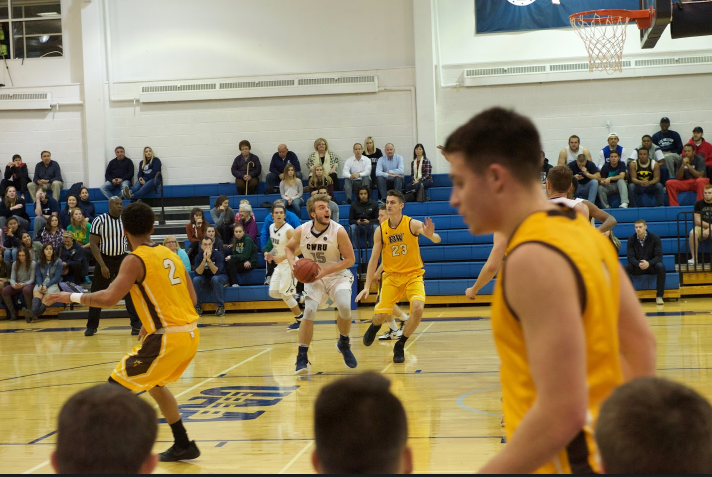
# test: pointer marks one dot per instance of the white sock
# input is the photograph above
(392, 325)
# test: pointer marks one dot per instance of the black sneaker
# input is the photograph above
(135, 331)
(398, 353)
(302, 362)
(70, 287)
(29, 316)
(344, 347)
(370, 334)
(90, 332)
(297, 321)
(220, 311)
(174, 455)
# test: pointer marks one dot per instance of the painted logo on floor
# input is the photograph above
(232, 403)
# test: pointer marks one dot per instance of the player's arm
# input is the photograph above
(347, 253)
(372, 264)
(131, 271)
(637, 343)
(555, 344)
(426, 229)
(606, 219)
(290, 250)
(378, 271)
(491, 267)
(282, 258)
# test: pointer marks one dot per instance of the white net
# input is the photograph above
(604, 37)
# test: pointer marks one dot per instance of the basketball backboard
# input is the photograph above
(661, 18)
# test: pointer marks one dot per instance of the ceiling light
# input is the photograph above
(48, 14)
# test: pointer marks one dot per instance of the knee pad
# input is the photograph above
(310, 307)
(289, 300)
(275, 294)
(343, 304)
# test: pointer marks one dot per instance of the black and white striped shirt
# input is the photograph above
(110, 231)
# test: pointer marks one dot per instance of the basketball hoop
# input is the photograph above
(603, 34)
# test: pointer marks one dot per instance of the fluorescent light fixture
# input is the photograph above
(48, 14)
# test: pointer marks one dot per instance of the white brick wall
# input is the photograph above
(633, 107)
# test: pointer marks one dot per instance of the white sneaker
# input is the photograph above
(691, 262)
(235, 285)
(391, 335)
(403, 318)
(659, 301)
(624, 206)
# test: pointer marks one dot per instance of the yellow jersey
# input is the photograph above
(162, 299)
(401, 251)
(595, 264)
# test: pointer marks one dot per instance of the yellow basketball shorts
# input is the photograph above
(159, 360)
(395, 286)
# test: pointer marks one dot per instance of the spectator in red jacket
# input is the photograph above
(702, 148)
(195, 231)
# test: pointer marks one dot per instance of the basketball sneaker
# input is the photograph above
(398, 353)
(302, 363)
(391, 334)
(174, 455)
(343, 346)
(70, 287)
(295, 326)
(370, 334)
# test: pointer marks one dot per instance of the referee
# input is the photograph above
(109, 246)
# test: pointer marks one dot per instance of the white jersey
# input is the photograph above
(279, 238)
(570, 203)
(322, 247)
(571, 155)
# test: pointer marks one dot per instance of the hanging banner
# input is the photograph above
(515, 15)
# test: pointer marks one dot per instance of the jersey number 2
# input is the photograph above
(403, 249)
(168, 263)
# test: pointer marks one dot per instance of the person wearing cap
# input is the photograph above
(604, 154)
(245, 217)
(668, 140)
(702, 147)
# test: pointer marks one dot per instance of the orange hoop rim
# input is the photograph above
(643, 18)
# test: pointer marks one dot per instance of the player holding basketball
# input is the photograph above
(395, 241)
(561, 355)
(165, 300)
(327, 243)
(283, 284)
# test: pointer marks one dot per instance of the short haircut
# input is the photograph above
(653, 425)
(581, 158)
(360, 427)
(105, 429)
(560, 178)
(138, 218)
(643, 149)
(279, 206)
(220, 200)
(499, 136)
(205, 237)
(648, 136)
(244, 142)
(614, 152)
(357, 144)
(42, 153)
(641, 221)
(708, 187)
(690, 146)
(311, 203)
(382, 207)
(16, 156)
(574, 136)
(119, 147)
(397, 194)
(574, 183)
(323, 187)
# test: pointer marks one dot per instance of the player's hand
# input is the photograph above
(269, 257)
(105, 271)
(470, 293)
(442, 151)
(428, 227)
(142, 334)
(52, 298)
(319, 276)
(363, 294)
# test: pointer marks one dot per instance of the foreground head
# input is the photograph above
(558, 181)
(360, 427)
(105, 429)
(395, 201)
(138, 219)
(491, 156)
(655, 426)
(318, 208)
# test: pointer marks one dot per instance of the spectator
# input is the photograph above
(212, 233)
(45, 207)
(171, 243)
(357, 171)
(195, 230)
(702, 147)
(667, 140)
(242, 255)
(603, 154)
(65, 215)
(374, 154)
(318, 179)
(147, 181)
(16, 175)
(690, 176)
(87, 207)
(4, 273)
(333, 206)
(80, 229)
(360, 427)
(545, 166)
(420, 170)
(281, 159)
(48, 275)
(656, 154)
(223, 216)
(645, 256)
(702, 217)
(22, 280)
(645, 179)
(105, 429)
(322, 156)
(363, 214)
(570, 153)
(119, 175)
(614, 173)
(11, 238)
(292, 190)
(73, 261)
(246, 169)
(210, 276)
(52, 232)
(13, 206)
(48, 176)
(651, 426)
(389, 172)
(292, 220)
(587, 175)
(247, 219)
(33, 247)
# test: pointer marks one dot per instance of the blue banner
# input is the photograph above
(516, 15)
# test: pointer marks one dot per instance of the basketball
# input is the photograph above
(306, 270)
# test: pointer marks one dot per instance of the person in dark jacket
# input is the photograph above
(280, 160)
(247, 169)
(73, 260)
(645, 256)
(363, 214)
(13, 205)
(87, 207)
(15, 175)
(48, 176)
(241, 256)
(146, 181)
(119, 174)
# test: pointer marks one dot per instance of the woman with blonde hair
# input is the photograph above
(292, 190)
(147, 181)
(322, 156)
(372, 152)
(318, 179)
(171, 243)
